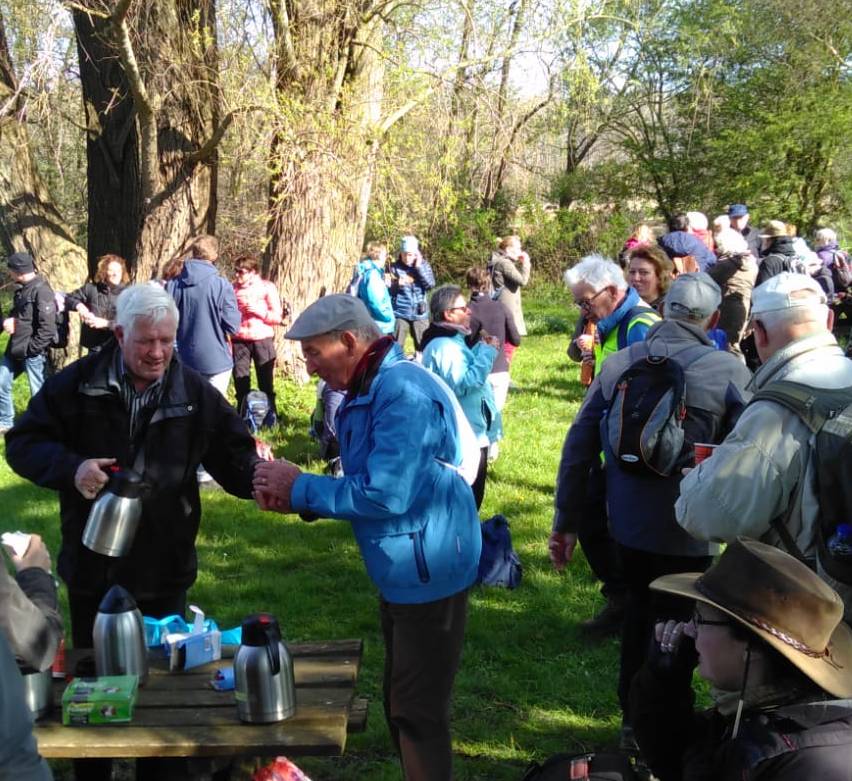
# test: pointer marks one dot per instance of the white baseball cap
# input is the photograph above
(786, 291)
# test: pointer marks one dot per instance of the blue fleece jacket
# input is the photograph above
(208, 314)
(413, 515)
(677, 244)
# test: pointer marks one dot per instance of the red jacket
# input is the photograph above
(260, 309)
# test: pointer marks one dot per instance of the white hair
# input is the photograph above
(812, 312)
(721, 222)
(148, 300)
(729, 241)
(825, 236)
(697, 220)
(597, 272)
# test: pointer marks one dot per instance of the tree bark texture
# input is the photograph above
(174, 45)
(29, 219)
(329, 80)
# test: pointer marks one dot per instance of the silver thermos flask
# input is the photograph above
(265, 689)
(115, 514)
(119, 636)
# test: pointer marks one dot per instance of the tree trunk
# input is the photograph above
(174, 43)
(329, 88)
(29, 219)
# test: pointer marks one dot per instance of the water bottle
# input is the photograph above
(840, 543)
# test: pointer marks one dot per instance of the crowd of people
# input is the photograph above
(661, 340)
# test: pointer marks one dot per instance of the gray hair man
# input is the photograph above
(412, 514)
(641, 505)
(764, 470)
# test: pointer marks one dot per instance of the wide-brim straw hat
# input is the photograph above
(780, 600)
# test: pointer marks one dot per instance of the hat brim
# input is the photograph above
(832, 673)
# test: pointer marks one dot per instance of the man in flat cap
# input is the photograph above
(641, 501)
(412, 513)
(31, 326)
(765, 470)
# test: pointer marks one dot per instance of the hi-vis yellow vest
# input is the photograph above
(611, 343)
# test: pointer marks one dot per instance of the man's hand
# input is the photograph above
(561, 546)
(585, 343)
(36, 555)
(91, 476)
(9, 325)
(490, 339)
(273, 483)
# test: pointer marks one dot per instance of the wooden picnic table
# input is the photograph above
(181, 715)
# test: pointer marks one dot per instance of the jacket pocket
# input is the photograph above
(420, 556)
(396, 561)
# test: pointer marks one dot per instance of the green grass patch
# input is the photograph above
(528, 685)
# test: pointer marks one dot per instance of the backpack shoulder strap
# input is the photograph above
(628, 320)
(813, 405)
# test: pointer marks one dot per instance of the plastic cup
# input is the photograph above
(703, 451)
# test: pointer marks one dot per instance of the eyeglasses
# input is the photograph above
(243, 270)
(586, 303)
(457, 308)
(699, 620)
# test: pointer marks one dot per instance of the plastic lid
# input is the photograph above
(259, 628)
(125, 483)
(117, 600)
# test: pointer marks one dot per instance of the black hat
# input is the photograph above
(21, 263)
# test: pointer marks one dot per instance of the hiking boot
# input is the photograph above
(606, 623)
(271, 420)
(627, 740)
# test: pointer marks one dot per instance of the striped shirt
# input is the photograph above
(139, 404)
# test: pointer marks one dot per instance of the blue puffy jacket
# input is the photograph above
(374, 293)
(677, 244)
(466, 371)
(409, 301)
(413, 516)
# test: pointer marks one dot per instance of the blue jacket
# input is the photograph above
(680, 243)
(409, 301)
(414, 517)
(374, 293)
(208, 314)
(639, 327)
(466, 371)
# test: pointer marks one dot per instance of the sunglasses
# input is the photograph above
(586, 303)
(699, 620)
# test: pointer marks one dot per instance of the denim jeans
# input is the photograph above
(11, 368)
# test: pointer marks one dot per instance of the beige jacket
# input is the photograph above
(764, 468)
(509, 279)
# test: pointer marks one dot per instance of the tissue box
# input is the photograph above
(186, 651)
(108, 699)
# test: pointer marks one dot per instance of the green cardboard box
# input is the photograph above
(109, 699)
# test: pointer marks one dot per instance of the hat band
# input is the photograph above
(798, 645)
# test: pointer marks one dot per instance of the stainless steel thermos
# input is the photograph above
(119, 636)
(263, 672)
(115, 515)
(38, 690)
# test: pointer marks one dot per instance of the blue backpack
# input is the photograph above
(499, 565)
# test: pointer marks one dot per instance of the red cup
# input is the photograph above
(58, 667)
(703, 451)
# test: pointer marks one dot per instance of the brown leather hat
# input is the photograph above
(783, 602)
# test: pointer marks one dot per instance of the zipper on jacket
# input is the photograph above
(419, 557)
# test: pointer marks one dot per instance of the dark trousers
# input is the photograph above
(262, 352)
(84, 608)
(416, 327)
(598, 546)
(423, 645)
(478, 486)
(645, 607)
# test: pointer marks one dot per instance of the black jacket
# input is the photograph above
(809, 738)
(776, 260)
(99, 298)
(34, 310)
(496, 319)
(79, 414)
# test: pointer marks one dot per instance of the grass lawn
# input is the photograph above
(528, 685)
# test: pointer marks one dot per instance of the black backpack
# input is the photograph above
(827, 412)
(644, 423)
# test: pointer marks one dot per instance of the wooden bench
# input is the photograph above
(180, 714)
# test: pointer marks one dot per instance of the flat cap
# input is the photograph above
(695, 296)
(337, 312)
(786, 291)
(737, 210)
(21, 263)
